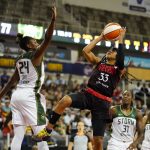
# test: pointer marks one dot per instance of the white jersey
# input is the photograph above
(124, 127)
(27, 103)
(146, 141)
(30, 76)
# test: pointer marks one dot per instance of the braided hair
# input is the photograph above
(126, 75)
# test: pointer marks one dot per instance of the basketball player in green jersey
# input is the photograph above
(27, 103)
(146, 141)
(126, 121)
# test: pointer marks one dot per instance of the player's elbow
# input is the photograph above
(85, 50)
(84, 53)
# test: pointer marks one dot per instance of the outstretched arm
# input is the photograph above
(48, 36)
(87, 51)
(12, 81)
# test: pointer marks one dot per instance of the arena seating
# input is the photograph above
(95, 19)
(72, 18)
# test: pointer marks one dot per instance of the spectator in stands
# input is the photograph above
(68, 118)
(48, 81)
(4, 78)
(80, 141)
(73, 124)
(6, 107)
(139, 103)
(59, 80)
(75, 83)
(137, 88)
(87, 119)
(84, 83)
(7, 128)
(144, 89)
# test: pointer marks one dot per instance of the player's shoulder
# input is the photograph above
(114, 110)
(29, 54)
(19, 57)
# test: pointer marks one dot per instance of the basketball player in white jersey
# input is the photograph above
(126, 121)
(146, 141)
(27, 103)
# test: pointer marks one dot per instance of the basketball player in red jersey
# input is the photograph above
(97, 96)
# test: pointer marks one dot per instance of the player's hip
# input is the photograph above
(27, 98)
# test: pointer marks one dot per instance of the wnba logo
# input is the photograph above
(139, 1)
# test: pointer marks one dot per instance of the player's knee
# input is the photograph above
(98, 139)
(65, 101)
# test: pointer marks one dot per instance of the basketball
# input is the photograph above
(111, 31)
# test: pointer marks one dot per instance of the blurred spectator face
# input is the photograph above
(7, 103)
(138, 84)
(5, 72)
(139, 104)
(80, 126)
(58, 76)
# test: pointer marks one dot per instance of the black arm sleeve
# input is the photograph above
(72, 138)
(120, 57)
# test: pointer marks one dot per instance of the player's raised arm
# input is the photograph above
(87, 50)
(120, 53)
(12, 81)
(48, 36)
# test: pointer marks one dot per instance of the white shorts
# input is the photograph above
(28, 107)
(114, 144)
(145, 145)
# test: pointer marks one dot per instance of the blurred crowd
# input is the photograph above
(54, 89)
